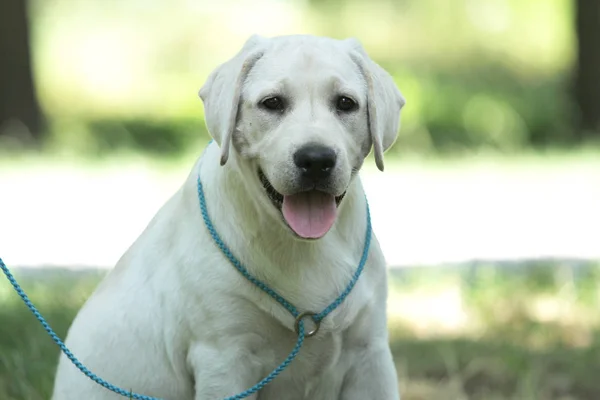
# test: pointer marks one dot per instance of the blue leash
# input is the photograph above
(299, 317)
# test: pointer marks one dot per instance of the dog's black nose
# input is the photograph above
(315, 161)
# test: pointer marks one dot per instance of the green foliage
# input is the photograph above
(476, 75)
(154, 137)
(101, 137)
(483, 107)
(447, 112)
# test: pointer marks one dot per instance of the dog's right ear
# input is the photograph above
(221, 92)
(384, 101)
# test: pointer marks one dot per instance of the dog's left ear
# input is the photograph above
(384, 101)
(221, 92)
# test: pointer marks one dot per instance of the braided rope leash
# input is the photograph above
(59, 342)
(299, 317)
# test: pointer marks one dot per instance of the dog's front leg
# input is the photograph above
(373, 375)
(222, 373)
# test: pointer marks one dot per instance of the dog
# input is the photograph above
(292, 120)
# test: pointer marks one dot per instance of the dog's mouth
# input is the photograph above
(310, 214)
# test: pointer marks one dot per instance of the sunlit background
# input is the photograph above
(488, 212)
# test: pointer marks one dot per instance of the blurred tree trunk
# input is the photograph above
(587, 83)
(18, 102)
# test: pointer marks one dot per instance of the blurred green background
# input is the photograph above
(491, 74)
(104, 94)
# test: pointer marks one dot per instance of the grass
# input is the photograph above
(486, 370)
(530, 332)
(28, 356)
(495, 353)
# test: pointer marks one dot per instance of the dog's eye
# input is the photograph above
(273, 103)
(346, 104)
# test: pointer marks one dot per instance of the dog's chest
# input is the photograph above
(316, 373)
(253, 323)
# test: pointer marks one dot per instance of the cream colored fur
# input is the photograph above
(175, 320)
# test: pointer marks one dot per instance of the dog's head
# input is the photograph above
(302, 113)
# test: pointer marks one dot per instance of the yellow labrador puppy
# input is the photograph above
(293, 119)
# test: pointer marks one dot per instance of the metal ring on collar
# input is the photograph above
(303, 315)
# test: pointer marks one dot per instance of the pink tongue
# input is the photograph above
(310, 214)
